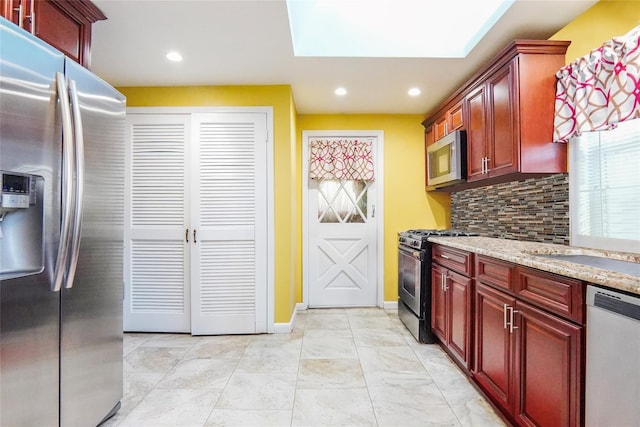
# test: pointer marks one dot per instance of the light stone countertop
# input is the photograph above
(525, 253)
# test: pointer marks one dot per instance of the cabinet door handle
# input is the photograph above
(482, 167)
(446, 128)
(186, 235)
(20, 9)
(32, 17)
(505, 308)
(511, 326)
(487, 165)
(194, 236)
(445, 288)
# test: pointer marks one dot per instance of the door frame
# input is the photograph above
(270, 238)
(379, 175)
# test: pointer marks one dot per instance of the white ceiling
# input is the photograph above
(243, 42)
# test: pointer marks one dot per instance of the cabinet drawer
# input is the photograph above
(560, 295)
(456, 259)
(495, 272)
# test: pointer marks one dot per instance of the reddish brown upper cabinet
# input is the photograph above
(18, 12)
(528, 355)
(519, 94)
(448, 122)
(493, 145)
(507, 112)
(64, 24)
(452, 292)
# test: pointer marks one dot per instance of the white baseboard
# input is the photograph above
(286, 328)
(390, 305)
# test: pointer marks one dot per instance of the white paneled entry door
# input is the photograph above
(342, 220)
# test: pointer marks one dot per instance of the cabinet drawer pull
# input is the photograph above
(444, 256)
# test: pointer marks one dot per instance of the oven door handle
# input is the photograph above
(412, 253)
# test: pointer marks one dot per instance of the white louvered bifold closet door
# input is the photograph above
(229, 217)
(157, 297)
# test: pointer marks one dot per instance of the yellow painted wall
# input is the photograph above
(403, 153)
(603, 21)
(286, 198)
(403, 180)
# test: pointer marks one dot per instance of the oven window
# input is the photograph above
(409, 274)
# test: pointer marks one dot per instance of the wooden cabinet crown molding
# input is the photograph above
(504, 56)
(81, 10)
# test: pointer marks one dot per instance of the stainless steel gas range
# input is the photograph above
(414, 280)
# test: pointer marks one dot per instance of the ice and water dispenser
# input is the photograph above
(21, 225)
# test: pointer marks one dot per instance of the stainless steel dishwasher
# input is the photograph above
(613, 359)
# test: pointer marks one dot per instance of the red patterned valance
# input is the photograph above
(600, 89)
(341, 158)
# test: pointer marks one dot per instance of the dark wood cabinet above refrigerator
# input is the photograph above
(64, 24)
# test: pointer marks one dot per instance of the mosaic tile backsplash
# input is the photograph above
(535, 210)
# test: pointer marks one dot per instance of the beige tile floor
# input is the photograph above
(356, 367)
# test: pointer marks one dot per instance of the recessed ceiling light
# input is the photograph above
(174, 56)
(340, 91)
(414, 91)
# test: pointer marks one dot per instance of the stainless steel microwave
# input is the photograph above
(447, 160)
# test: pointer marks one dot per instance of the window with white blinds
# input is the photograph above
(604, 187)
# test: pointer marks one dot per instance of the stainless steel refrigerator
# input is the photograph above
(61, 230)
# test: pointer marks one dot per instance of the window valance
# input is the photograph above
(600, 89)
(341, 158)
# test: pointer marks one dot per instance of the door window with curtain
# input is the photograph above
(343, 169)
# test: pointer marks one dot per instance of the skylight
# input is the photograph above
(391, 28)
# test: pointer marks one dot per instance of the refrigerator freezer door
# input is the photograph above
(91, 316)
(30, 143)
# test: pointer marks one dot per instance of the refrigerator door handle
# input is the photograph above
(67, 179)
(79, 184)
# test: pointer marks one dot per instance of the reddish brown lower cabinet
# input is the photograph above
(494, 346)
(529, 362)
(548, 369)
(451, 312)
